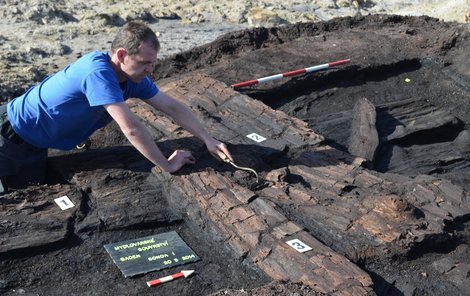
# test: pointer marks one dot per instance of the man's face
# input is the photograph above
(137, 66)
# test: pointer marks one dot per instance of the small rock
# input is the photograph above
(443, 265)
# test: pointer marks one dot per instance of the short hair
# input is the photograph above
(132, 35)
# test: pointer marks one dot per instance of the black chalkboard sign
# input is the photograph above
(150, 253)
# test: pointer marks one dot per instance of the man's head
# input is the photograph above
(134, 51)
(132, 35)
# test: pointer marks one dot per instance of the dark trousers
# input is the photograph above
(21, 163)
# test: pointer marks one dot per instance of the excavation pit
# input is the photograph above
(387, 225)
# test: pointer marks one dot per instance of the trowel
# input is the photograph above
(243, 168)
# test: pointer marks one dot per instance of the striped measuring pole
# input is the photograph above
(290, 73)
(165, 279)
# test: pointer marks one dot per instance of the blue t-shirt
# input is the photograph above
(66, 108)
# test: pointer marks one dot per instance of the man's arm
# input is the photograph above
(141, 139)
(186, 119)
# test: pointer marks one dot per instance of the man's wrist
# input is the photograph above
(164, 167)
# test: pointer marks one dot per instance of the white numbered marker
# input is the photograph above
(298, 245)
(64, 202)
(255, 137)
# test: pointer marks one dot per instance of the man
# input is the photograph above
(66, 108)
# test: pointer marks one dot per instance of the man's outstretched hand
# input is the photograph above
(181, 157)
(178, 159)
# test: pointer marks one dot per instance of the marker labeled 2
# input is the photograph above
(255, 137)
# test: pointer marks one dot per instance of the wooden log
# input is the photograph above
(367, 211)
(364, 139)
(260, 233)
(34, 222)
(111, 186)
(234, 116)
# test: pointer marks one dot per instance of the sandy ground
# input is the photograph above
(38, 37)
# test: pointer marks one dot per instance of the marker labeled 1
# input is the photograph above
(64, 202)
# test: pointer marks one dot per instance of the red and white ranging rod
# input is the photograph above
(290, 73)
(162, 280)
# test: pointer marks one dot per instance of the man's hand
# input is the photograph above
(218, 149)
(178, 159)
